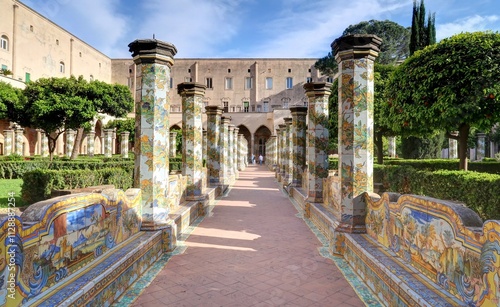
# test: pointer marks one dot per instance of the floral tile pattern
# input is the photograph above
(215, 171)
(299, 130)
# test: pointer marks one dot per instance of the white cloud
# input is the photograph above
(467, 24)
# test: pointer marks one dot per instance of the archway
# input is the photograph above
(260, 138)
(248, 136)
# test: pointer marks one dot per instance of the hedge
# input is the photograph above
(478, 191)
(16, 169)
(38, 184)
(487, 166)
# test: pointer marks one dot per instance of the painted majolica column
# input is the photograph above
(90, 143)
(453, 146)
(288, 151)
(8, 142)
(245, 151)
(355, 55)
(230, 151)
(277, 169)
(274, 155)
(192, 136)
(19, 132)
(481, 146)
(214, 167)
(154, 59)
(224, 146)
(113, 142)
(204, 144)
(70, 141)
(317, 135)
(392, 146)
(45, 145)
(299, 130)
(108, 142)
(173, 144)
(124, 144)
(241, 152)
(283, 162)
(235, 151)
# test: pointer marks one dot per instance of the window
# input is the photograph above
(249, 70)
(209, 83)
(309, 70)
(265, 106)
(4, 67)
(57, 42)
(27, 77)
(171, 82)
(187, 79)
(61, 67)
(31, 28)
(189, 70)
(258, 108)
(285, 104)
(246, 104)
(269, 83)
(309, 80)
(289, 82)
(228, 83)
(289, 70)
(4, 42)
(248, 83)
(225, 105)
(80, 54)
(329, 79)
(229, 70)
(91, 78)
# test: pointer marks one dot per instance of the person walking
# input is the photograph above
(261, 158)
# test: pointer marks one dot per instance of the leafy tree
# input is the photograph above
(394, 47)
(123, 125)
(58, 104)
(333, 118)
(422, 34)
(447, 88)
(9, 96)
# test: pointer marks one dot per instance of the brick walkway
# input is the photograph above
(252, 251)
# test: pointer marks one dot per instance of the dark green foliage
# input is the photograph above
(123, 125)
(178, 141)
(422, 34)
(333, 118)
(422, 148)
(9, 97)
(38, 184)
(175, 164)
(327, 65)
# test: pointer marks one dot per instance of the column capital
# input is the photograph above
(356, 46)
(288, 121)
(225, 120)
(231, 127)
(282, 127)
(190, 89)
(213, 110)
(318, 88)
(298, 110)
(148, 51)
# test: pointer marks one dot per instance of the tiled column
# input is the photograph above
(288, 151)
(154, 59)
(70, 141)
(214, 165)
(245, 151)
(113, 142)
(392, 146)
(317, 134)
(8, 142)
(192, 137)
(124, 144)
(355, 55)
(173, 144)
(230, 152)
(481, 148)
(235, 151)
(204, 145)
(108, 142)
(241, 152)
(90, 143)
(223, 145)
(274, 155)
(277, 168)
(19, 140)
(282, 153)
(453, 147)
(38, 148)
(299, 130)
(45, 145)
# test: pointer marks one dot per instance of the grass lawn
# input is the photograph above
(7, 186)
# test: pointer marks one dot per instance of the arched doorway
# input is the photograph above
(260, 138)
(248, 136)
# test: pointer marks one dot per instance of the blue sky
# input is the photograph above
(249, 28)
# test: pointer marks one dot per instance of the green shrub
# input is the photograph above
(38, 184)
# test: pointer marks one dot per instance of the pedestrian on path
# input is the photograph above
(253, 159)
(261, 158)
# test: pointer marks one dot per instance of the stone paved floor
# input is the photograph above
(253, 250)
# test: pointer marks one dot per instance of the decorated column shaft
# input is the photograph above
(70, 142)
(124, 144)
(245, 146)
(481, 148)
(214, 165)
(154, 59)
(241, 152)
(299, 130)
(45, 145)
(274, 154)
(192, 136)
(108, 143)
(453, 146)
(235, 151)
(317, 134)
(223, 145)
(90, 143)
(392, 146)
(230, 151)
(288, 151)
(204, 143)
(8, 142)
(173, 144)
(283, 161)
(355, 55)
(19, 140)
(277, 168)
